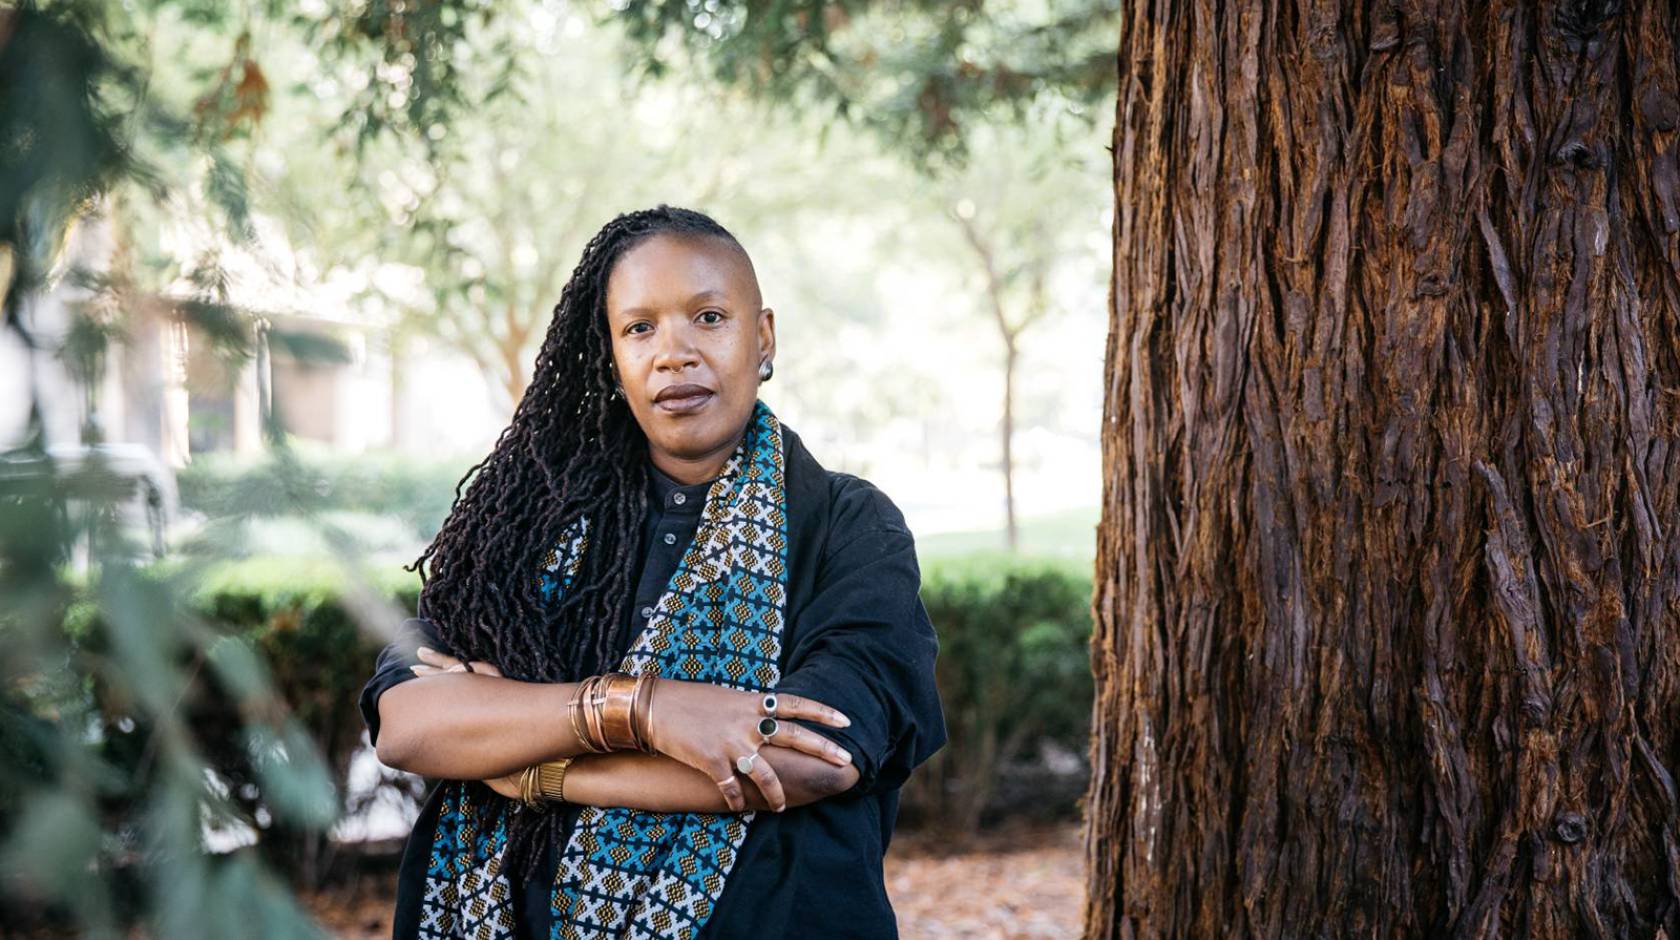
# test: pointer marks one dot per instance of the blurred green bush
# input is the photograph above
(300, 619)
(277, 674)
(419, 493)
(1013, 672)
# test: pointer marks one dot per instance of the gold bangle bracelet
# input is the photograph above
(638, 708)
(551, 779)
(529, 782)
(617, 703)
(644, 712)
(581, 709)
(592, 714)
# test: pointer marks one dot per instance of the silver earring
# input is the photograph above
(765, 370)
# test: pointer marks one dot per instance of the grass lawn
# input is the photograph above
(1071, 535)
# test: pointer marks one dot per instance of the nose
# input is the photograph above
(676, 350)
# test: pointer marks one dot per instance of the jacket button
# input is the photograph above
(670, 538)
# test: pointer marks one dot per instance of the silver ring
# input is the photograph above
(744, 764)
(767, 728)
(770, 703)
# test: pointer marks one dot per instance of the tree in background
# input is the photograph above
(496, 207)
(489, 207)
(1014, 202)
(986, 100)
(1388, 580)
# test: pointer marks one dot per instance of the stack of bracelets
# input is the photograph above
(610, 712)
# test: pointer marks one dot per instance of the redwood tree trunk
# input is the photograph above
(1388, 577)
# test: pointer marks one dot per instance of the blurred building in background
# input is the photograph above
(167, 386)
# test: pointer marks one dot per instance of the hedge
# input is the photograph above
(417, 492)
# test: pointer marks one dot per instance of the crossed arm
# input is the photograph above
(657, 783)
(453, 724)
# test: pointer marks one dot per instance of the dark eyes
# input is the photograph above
(716, 316)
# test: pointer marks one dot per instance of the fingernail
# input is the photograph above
(427, 649)
(846, 756)
(845, 722)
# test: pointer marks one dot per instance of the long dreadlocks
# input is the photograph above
(572, 448)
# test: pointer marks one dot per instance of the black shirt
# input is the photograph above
(857, 638)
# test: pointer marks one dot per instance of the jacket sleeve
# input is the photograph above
(864, 644)
(392, 667)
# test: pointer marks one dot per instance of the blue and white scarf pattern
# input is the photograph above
(626, 873)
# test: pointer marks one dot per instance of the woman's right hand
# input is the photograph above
(707, 727)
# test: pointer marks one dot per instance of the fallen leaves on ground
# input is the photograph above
(1021, 884)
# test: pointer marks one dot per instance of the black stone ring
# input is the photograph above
(767, 728)
(770, 703)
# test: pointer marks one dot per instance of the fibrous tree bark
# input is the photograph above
(1388, 579)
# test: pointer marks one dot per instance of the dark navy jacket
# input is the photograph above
(857, 638)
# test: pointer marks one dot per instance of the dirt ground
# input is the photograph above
(1012, 885)
(1021, 884)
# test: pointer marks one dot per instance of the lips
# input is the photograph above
(683, 399)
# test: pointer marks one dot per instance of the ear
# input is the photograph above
(766, 335)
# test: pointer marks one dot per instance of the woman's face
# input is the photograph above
(688, 333)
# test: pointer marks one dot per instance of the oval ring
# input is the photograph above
(767, 728)
(769, 703)
(744, 764)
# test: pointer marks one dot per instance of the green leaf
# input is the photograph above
(295, 781)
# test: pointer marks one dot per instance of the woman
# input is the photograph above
(645, 514)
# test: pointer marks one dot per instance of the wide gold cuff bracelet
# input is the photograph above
(551, 779)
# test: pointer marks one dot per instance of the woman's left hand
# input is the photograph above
(507, 786)
(434, 663)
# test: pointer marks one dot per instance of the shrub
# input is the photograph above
(1013, 670)
(417, 492)
(287, 625)
(298, 617)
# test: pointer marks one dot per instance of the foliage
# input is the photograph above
(302, 622)
(60, 140)
(918, 72)
(132, 726)
(423, 70)
(113, 772)
(1013, 669)
(418, 492)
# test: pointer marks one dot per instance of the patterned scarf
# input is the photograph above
(626, 873)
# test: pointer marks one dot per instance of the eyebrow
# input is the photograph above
(709, 292)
